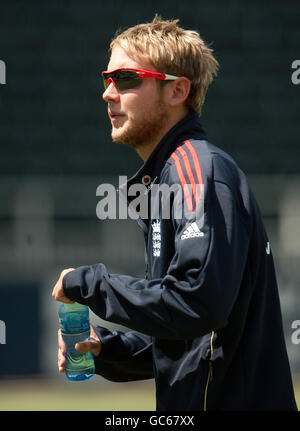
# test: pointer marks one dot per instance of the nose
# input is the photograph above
(111, 92)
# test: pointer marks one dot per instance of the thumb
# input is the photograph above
(90, 345)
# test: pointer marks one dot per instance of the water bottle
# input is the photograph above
(75, 327)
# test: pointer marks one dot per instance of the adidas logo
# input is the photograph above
(192, 231)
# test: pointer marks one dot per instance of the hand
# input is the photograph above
(93, 345)
(58, 292)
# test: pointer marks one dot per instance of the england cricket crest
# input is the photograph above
(156, 238)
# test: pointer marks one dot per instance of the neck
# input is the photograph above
(145, 150)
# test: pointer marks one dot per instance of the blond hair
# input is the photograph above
(173, 50)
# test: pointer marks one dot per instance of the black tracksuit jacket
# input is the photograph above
(206, 320)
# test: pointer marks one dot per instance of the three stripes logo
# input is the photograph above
(192, 231)
(189, 172)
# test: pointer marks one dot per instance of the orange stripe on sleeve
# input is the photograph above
(187, 165)
(196, 163)
(183, 182)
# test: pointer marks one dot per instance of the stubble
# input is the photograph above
(144, 129)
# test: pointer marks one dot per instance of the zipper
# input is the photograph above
(210, 369)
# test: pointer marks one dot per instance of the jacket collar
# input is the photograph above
(187, 128)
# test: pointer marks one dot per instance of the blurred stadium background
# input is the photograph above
(56, 150)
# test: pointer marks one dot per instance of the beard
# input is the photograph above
(142, 129)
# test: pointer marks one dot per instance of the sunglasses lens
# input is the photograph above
(105, 82)
(124, 79)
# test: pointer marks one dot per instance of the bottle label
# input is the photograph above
(74, 324)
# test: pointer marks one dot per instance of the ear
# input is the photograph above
(178, 91)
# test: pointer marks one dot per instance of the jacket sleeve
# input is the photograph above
(124, 356)
(200, 286)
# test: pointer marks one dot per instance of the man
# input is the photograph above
(206, 321)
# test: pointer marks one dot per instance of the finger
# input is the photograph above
(61, 362)
(61, 343)
(91, 345)
(58, 292)
(84, 346)
(56, 289)
(93, 334)
(60, 296)
(64, 299)
(66, 271)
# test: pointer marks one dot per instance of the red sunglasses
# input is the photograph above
(126, 78)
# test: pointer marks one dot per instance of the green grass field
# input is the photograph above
(47, 395)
